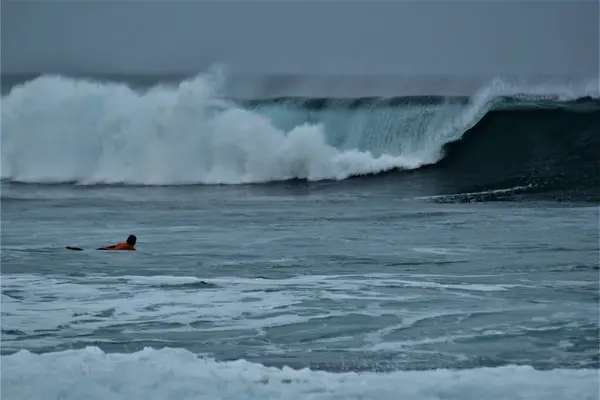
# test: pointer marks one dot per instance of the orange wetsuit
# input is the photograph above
(118, 246)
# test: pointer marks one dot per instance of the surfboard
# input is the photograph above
(73, 248)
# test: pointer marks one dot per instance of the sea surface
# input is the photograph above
(411, 247)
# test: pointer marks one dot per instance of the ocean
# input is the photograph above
(298, 240)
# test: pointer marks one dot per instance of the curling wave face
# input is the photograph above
(66, 130)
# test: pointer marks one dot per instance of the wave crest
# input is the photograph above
(57, 130)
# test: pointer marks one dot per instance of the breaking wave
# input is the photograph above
(176, 373)
(65, 130)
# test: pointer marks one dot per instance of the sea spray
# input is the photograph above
(57, 129)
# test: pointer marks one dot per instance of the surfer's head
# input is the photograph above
(131, 240)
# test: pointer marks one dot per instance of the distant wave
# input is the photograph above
(66, 130)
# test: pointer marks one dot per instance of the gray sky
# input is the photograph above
(341, 37)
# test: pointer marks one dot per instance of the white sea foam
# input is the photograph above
(175, 373)
(70, 309)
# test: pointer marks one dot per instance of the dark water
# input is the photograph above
(434, 247)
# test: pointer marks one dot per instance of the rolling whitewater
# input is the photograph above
(294, 245)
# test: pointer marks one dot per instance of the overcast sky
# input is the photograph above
(355, 37)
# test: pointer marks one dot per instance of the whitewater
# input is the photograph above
(299, 248)
(167, 373)
(58, 129)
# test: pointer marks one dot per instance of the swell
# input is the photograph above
(550, 151)
(62, 130)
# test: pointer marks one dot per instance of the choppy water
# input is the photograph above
(474, 277)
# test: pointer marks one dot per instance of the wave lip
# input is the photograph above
(168, 373)
(63, 130)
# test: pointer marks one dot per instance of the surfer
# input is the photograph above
(128, 245)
